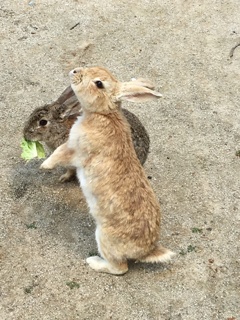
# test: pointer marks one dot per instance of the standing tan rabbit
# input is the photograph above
(51, 124)
(118, 193)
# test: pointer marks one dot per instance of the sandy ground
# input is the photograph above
(46, 232)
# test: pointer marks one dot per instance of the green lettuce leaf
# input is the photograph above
(32, 149)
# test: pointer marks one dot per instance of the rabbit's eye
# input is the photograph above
(99, 84)
(43, 122)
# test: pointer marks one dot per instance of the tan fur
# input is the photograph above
(117, 190)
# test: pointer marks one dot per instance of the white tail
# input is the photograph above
(159, 254)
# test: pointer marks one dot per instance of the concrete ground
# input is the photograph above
(46, 232)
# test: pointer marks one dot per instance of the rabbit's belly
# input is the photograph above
(91, 199)
(73, 140)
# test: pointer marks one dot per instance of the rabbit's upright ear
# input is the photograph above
(130, 91)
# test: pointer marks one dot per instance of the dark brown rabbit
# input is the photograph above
(52, 122)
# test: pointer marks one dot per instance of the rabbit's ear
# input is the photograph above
(129, 91)
(65, 95)
(70, 107)
(142, 82)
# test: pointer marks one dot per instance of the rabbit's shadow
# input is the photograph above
(54, 208)
(58, 210)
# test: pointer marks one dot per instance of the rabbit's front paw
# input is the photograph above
(47, 164)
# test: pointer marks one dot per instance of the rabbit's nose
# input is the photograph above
(76, 70)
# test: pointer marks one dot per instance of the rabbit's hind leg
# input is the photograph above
(69, 175)
(109, 263)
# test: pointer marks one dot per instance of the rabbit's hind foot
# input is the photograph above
(69, 175)
(100, 265)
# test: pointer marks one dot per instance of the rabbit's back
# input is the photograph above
(140, 137)
(55, 128)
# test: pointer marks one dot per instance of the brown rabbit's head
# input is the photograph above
(99, 91)
(52, 122)
(38, 123)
